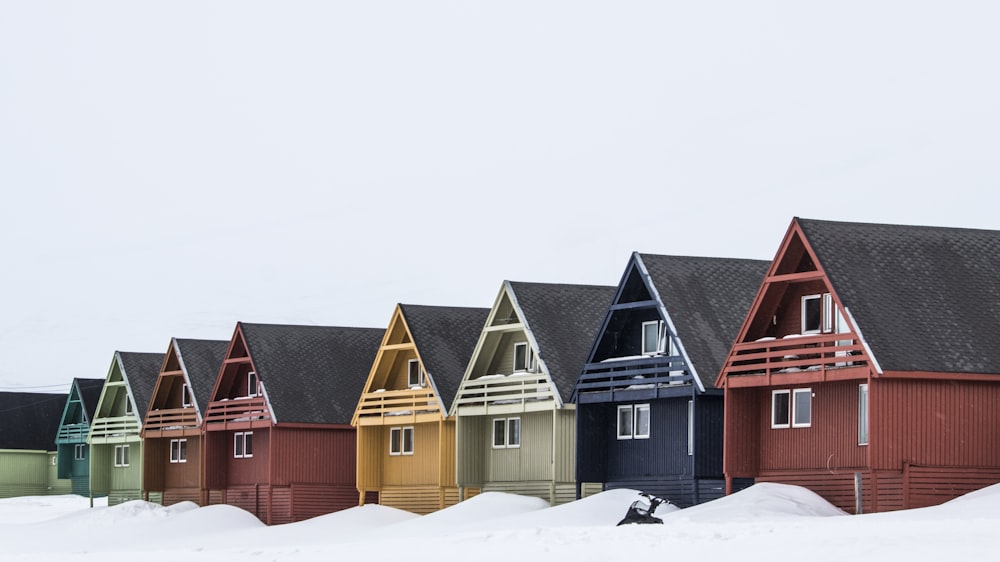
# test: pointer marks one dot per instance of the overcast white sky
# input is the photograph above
(169, 169)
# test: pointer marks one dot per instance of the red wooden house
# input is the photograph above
(171, 431)
(868, 367)
(278, 440)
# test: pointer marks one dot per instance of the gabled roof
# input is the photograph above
(706, 300)
(445, 337)
(925, 298)
(140, 371)
(311, 374)
(564, 319)
(201, 361)
(30, 420)
(89, 391)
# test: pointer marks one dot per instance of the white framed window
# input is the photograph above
(690, 427)
(185, 396)
(413, 373)
(243, 444)
(802, 407)
(54, 460)
(633, 421)
(80, 452)
(654, 337)
(781, 409)
(532, 361)
(817, 314)
(253, 385)
(401, 440)
(121, 455)
(506, 433)
(524, 358)
(128, 406)
(863, 414)
(178, 450)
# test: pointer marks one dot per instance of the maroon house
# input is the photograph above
(278, 440)
(171, 431)
(868, 367)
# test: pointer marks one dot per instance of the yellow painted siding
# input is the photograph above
(371, 449)
(419, 499)
(446, 468)
(420, 468)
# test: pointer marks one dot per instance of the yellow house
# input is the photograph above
(406, 439)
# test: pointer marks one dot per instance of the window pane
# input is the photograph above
(413, 373)
(248, 444)
(520, 357)
(514, 432)
(125, 455)
(802, 410)
(810, 314)
(863, 414)
(407, 440)
(173, 450)
(624, 422)
(779, 408)
(650, 337)
(394, 443)
(499, 430)
(182, 450)
(642, 420)
(238, 445)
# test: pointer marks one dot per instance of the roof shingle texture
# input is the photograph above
(564, 320)
(445, 338)
(202, 360)
(312, 374)
(141, 371)
(30, 420)
(707, 299)
(925, 298)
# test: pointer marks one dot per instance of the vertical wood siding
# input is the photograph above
(420, 468)
(937, 423)
(831, 443)
(245, 471)
(592, 438)
(23, 473)
(372, 447)
(446, 463)
(565, 445)
(531, 461)
(313, 456)
(741, 456)
(502, 361)
(708, 425)
(470, 467)
(663, 454)
(180, 475)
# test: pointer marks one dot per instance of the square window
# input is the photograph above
(121, 455)
(641, 424)
(395, 440)
(80, 452)
(625, 422)
(499, 433)
(178, 450)
(780, 408)
(513, 432)
(413, 377)
(802, 407)
(520, 357)
(408, 440)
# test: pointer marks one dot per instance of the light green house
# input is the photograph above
(114, 441)
(28, 422)
(515, 424)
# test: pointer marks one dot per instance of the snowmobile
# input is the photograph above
(641, 511)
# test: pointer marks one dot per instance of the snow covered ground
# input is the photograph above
(766, 522)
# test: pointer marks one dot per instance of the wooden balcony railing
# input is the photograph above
(237, 409)
(171, 418)
(519, 389)
(114, 427)
(795, 354)
(393, 404)
(73, 433)
(634, 377)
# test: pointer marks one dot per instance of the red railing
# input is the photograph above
(171, 418)
(237, 409)
(794, 354)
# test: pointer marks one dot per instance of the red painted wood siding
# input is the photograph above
(741, 438)
(936, 423)
(314, 456)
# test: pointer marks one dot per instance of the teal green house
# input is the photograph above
(72, 451)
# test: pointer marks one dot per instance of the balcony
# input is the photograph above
(221, 413)
(170, 420)
(502, 394)
(113, 430)
(383, 407)
(796, 359)
(643, 377)
(72, 433)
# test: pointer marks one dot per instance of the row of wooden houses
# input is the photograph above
(862, 362)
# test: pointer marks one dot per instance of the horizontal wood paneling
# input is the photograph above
(178, 495)
(928, 486)
(415, 499)
(312, 500)
(882, 491)
(555, 494)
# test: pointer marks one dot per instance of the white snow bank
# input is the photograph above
(31, 509)
(761, 501)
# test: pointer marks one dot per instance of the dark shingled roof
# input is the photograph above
(202, 361)
(89, 391)
(707, 299)
(925, 298)
(30, 420)
(445, 338)
(141, 371)
(312, 374)
(564, 320)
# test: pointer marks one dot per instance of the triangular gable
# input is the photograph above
(794, 263)
(81, 401)
(238, 377)
(129, 385)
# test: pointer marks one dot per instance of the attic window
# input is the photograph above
(413, 374)
(524, 358)
(253, 385)
(654, 337)
(817, 314)
(185, 396)
(128, 406)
